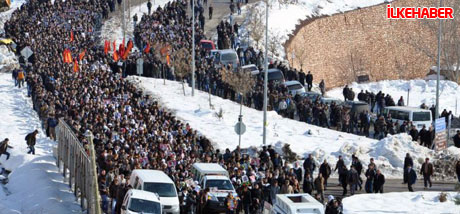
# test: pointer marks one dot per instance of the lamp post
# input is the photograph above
(193, 48)
(265, 76)
(439, 64)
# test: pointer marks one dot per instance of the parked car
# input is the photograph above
(311, 95)
(274, 75)
(301, 203)
(357, 106)
(207, 44)
(418, 116)
(139, 201)
(329, 100)
(228, 57)
(294, 87)
(251, 68)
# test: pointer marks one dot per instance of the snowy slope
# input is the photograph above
(4, 16)
(113, 28)
(323, 143)
(421, 91)
(282, 19)
(404, 203)
(7, 57)
(35, 184)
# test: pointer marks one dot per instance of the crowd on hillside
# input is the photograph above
(132, 131)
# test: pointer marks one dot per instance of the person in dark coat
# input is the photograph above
(427, 171)
(457, 139)
(307, 184)
(191, 203)
(378, 182)
(309, 80)
(246, 199)
(3, 147)
(408, 162)
(343, 178)
(412, 178)
(339, 166)
(31, 139)
(210, 9)
(370, 177)
(302, 77)
(309, 164)
(149, 7)
(325, 170)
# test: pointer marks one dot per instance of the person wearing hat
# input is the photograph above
(427, 172)
(31, 139)
(3, 147)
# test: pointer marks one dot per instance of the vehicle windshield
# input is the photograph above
(421, 116)
(162, 189)
(294, 87)
(229, 57)
(219, 184)
(275, 76)
(206, 45)
(249, 69)
(144, 206)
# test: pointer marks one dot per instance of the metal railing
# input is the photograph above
(75, 161)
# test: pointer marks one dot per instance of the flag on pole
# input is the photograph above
(128, 49)
(147, 48)
(71, 36)
(75, 65)
(82, 54)
(115, 56)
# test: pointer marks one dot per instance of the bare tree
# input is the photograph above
(450, 43)
(256, 24)
(180, 62)
(300, 53)
(274, 41)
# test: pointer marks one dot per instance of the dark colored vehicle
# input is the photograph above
(357, 106)
(311, 95)
(274, 75)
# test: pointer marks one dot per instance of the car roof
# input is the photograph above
(209, 167)
(227, 51)
(141, 194)
(292, 82)
(406, 108)
(249, 66)
(272, 70)
(148, 175)
(352, 102)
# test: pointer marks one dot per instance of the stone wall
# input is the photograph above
(341, 47)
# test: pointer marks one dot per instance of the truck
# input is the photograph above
(214, 177)
(301, 203)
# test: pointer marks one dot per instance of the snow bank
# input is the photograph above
(35, 184)
(283, 19)
(405, 202)
(303, 138)
(4, 16)
(421, 91)
(112, 29)
(7, 59)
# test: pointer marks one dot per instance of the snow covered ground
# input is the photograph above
(421, 91)
(35, 184)
(7, 57)
(283, 18)
(303, 138)
(4, 16)
(404, 203)
(112, 29)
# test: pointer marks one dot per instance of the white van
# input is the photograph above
(296, 204)
(418, 116)
(158, 182)
(138, 201)
(214, 177)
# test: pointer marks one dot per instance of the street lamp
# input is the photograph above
(265, 76)
(193, 48)
(439, 64)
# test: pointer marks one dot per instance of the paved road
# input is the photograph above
(221, 10)
(392, 185)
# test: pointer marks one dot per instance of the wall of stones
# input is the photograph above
(341, 47)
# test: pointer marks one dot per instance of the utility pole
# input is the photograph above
(96, 198)
(193, 48)
(439, 63)
(265, 76)
(124, 21)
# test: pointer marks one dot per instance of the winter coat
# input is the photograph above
(273, 192)
(309, 165)
(408, 162)
(31, 139)
(429, 170)
(4, 146)
(370, 174)
(353, 177)
(319, 183)
(307, 186)
(457, 169)
(287, 189)
(412, 176)
(379, 181)
(52, 122)
(457, 141)
(325, 170)
(414, 134)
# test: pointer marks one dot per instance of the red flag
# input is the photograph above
(168, 59)
(69, 56)
(82, 54)
(106, 47)
(147, 48)
(75, 65)
(115, 56)
(128, 49)
(71, 36)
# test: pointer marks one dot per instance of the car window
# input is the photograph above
(206, 45)
(421, 116)
(144, 206)
(275, 75)
(229, 57)
(295, 87)
(220, 184)
(162, 189)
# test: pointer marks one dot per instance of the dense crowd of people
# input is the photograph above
(132, 131)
